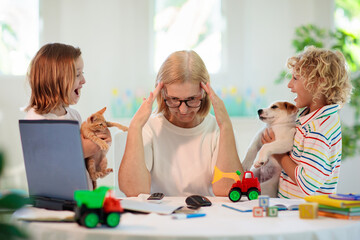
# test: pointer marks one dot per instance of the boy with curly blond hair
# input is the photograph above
(321, 81)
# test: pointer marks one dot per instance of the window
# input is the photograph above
(347, 17)
(19, 35)
(188, 24)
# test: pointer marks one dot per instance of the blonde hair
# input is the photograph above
(325, 72)
(183, 66)
(51, 75)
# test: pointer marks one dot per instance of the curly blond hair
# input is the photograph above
(325, 73)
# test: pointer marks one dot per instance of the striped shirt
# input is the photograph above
(317, 151)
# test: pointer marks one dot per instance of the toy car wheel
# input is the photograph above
(90, 220)
(235, 194)
(253, 193)
(78, 215)
(113, 219)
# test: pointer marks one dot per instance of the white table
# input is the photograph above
(219, 223)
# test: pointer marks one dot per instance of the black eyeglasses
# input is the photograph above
(191, 103)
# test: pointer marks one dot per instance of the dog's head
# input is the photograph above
(278, 112)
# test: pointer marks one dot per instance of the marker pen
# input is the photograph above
(184, 216)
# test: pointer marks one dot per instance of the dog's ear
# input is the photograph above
(290, 107)
(293, 108)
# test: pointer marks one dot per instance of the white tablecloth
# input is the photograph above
(219, 223)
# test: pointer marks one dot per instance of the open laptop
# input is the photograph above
(54, 162)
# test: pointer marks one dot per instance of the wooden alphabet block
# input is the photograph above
(264, 201)
(272, 211)
(308, 210)
(258, 212)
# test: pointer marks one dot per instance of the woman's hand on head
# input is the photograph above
(221, 114)
(144, 111)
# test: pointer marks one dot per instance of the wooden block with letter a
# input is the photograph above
(308, 210)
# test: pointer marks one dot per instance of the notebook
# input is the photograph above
(54, 162)
(281, 203)
(327, 200)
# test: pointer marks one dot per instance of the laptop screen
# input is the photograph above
(53, 158)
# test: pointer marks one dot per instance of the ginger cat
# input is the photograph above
(97, 164)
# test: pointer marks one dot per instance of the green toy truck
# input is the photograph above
(98, 206)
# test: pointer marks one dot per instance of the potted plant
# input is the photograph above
(9, 202)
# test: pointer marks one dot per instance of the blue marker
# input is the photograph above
(184, 216)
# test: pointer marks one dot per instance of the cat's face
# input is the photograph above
(97, 121)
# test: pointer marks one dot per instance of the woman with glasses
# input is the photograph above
(175, 150)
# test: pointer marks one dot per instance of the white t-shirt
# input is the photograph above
(181, 161)
(71, 114)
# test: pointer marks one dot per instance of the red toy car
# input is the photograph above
(248, 185)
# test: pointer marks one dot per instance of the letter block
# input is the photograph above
(264, 201)
(272, 211)
(308, 210)
(258, 212)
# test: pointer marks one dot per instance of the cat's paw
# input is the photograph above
(106, 172)
(99, 175)
(104, 146)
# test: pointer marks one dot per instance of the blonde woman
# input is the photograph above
(175, 150)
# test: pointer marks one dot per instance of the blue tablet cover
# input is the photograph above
(53, 158)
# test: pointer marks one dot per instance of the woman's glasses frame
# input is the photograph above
(194, 102)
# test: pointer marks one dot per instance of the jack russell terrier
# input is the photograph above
(280, 117)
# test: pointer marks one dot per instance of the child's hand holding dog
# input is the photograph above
(268, 136)
(283, 159)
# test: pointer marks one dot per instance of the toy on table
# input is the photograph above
(308, 210)
(264, 201)
(264, 205)
(98, 206)
(258, 212)
(272, 211)
(249, 186)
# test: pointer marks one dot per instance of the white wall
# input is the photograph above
(114, 36)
